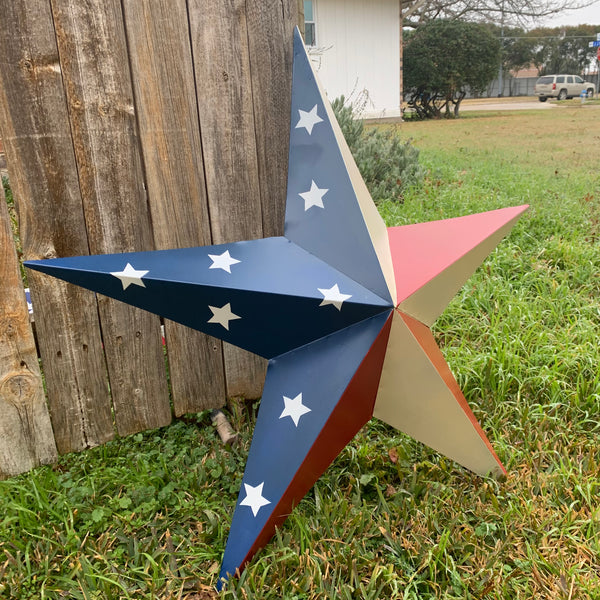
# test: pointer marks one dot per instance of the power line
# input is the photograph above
(546, 37)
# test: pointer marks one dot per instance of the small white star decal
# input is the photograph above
(294, 408)
(223, 261)
(314, 196)
(129, 276)
(308, 119)
(222, 315)
(333, 296)
(254, 498)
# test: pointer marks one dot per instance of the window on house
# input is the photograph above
(309, 23)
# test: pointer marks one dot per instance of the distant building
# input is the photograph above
(355, 47)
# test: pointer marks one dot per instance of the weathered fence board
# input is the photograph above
(34, 125)
(26, 439)
(94, 62)
(165, 100)
(224, 88)
(270, 22)
(133, 125)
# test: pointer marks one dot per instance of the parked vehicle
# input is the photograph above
(562, 87)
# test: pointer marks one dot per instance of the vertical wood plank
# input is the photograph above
(301, 25)
(95, 67)
(35, 129)
(270, 28)
(167, 113)
(26, 438)
(224, 89)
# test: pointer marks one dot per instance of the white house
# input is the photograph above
(355, 46)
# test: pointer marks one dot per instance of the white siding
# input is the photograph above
(358, 49)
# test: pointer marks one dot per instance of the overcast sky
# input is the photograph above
(583, 16)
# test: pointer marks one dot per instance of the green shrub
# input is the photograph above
(388, 165)
(7, 191)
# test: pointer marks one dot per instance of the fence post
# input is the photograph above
(35, 130)
(26, 438)
(95, 69)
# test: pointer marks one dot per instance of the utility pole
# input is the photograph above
(500, 79)
(401, 79)
(416, 5)
(598, 66)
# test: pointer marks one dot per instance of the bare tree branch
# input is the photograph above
(509, 12)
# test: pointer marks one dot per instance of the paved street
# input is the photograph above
(525, 103)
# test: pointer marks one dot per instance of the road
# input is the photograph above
(505, 104)
(481, 104)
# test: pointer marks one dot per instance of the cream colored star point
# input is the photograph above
(222, 315)
(314, 196)
(308, 119)
(254, 498)
(294, 408)
(130, 276)
(223, 261)
(333, 296)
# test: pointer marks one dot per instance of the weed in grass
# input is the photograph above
(10, 202)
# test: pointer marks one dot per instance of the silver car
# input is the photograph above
(562, 87)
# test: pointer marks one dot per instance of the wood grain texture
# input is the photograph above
(95, 67)
(111, 113)
(270, 28)
(219, 36)
(167, 114)
(300, 9)
(26, 438)
(35, 129)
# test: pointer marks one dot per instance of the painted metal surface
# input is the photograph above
(419, 396)
(271, 286)
(435, 259)
(323, 213)
(291, 448)
(318, 303)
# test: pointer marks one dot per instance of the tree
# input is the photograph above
(517, 51)
(517, 47)
(509, 12)
(414, 13)
(443, 60)
(563, 49)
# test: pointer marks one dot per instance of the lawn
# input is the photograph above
(147, 516)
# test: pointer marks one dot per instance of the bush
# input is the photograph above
(388, 165)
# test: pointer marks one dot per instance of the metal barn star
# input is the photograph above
(341, 307)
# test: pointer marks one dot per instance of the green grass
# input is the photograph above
(147, 516)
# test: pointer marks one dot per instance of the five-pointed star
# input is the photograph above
(377, 357)
(308, 119)
(254, 498)
(333, 296)
(294, 408)
(222, 315)
(314, 196)
(223, 261)
(129, 276)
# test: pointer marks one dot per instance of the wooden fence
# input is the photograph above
(130, 125)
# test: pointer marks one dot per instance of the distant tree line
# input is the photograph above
(444, 59)
(548, 49)
(503, 12)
